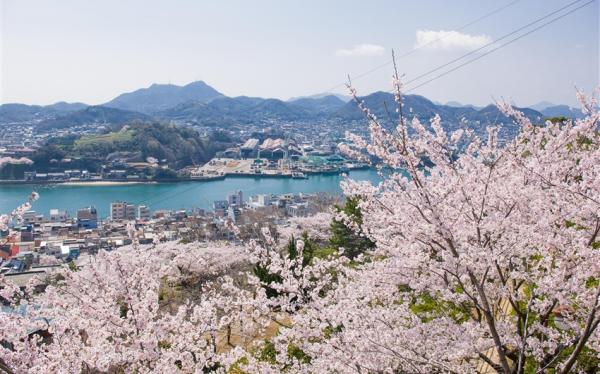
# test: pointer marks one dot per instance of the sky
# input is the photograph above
(91, 51)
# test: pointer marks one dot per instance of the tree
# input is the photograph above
(486, 259)
(346, 229)
(110, 314)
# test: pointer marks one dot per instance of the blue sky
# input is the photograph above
(91, 51)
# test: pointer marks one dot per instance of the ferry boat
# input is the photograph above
(299, 175)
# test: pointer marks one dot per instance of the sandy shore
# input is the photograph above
(105, 183)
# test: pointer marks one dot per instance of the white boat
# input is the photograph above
(299, 175)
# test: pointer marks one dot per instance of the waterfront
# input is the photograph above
(181, 195)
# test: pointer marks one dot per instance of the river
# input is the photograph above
(181, 195)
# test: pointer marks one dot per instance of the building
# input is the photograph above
(29, 175)
(273, 149)
(87, 218)
(260, 201)
(233, 213)
(297, 210)
(220, 204)
(249, 149)
(26, 233)
(236, 198)
(122, 210)
(220, 207)
(32, 217)
(143, 213)
(58, 215)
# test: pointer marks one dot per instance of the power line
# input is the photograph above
(497, 48)
(493, 42)
(416, 48)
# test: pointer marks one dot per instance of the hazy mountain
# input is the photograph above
(424, 109)
(562, 110)
(319, 105)
(21, 113)
(383, 105)
(344, 98)
(198, 102)
(93, 115)
(160, 97)
(62, 106)
(242, 109)
(541, 105)
(35, 113)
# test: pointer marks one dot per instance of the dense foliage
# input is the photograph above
(346, 231)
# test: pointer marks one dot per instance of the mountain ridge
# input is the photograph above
(200, 103)
(159, 97)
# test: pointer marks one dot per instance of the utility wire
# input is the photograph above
(416, 48)
(494, 49)
(493, 42)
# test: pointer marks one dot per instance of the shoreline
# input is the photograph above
(105, 183)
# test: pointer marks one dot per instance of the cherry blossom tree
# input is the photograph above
(110, 314)
(17, 213)
(486, 259)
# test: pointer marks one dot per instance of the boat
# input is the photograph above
(299, 175)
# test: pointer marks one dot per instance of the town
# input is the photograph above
(264, 155)
(40, 241)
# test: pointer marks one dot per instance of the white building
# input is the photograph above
(58, 215)
(143, 213)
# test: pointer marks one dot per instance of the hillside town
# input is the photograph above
(272, 151)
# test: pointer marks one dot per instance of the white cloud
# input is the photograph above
(429, 39)
(362, 50)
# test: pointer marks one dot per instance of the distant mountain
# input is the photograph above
(425, 110)
(93, 115)
(541, 105)
(35, 113)
(319, 105)
(229, 110)
(562, 110)
(159, 97)
(344, 98)
(22, 113)
(454, 104)
(198, 102)
(383, 105)
(62, 106)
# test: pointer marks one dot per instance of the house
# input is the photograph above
(58, 215)
(87, 218)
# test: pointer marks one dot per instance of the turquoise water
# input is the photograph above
(182, 195)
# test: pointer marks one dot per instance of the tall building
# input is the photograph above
(236, 199)
(143, 213)
(122, 210)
